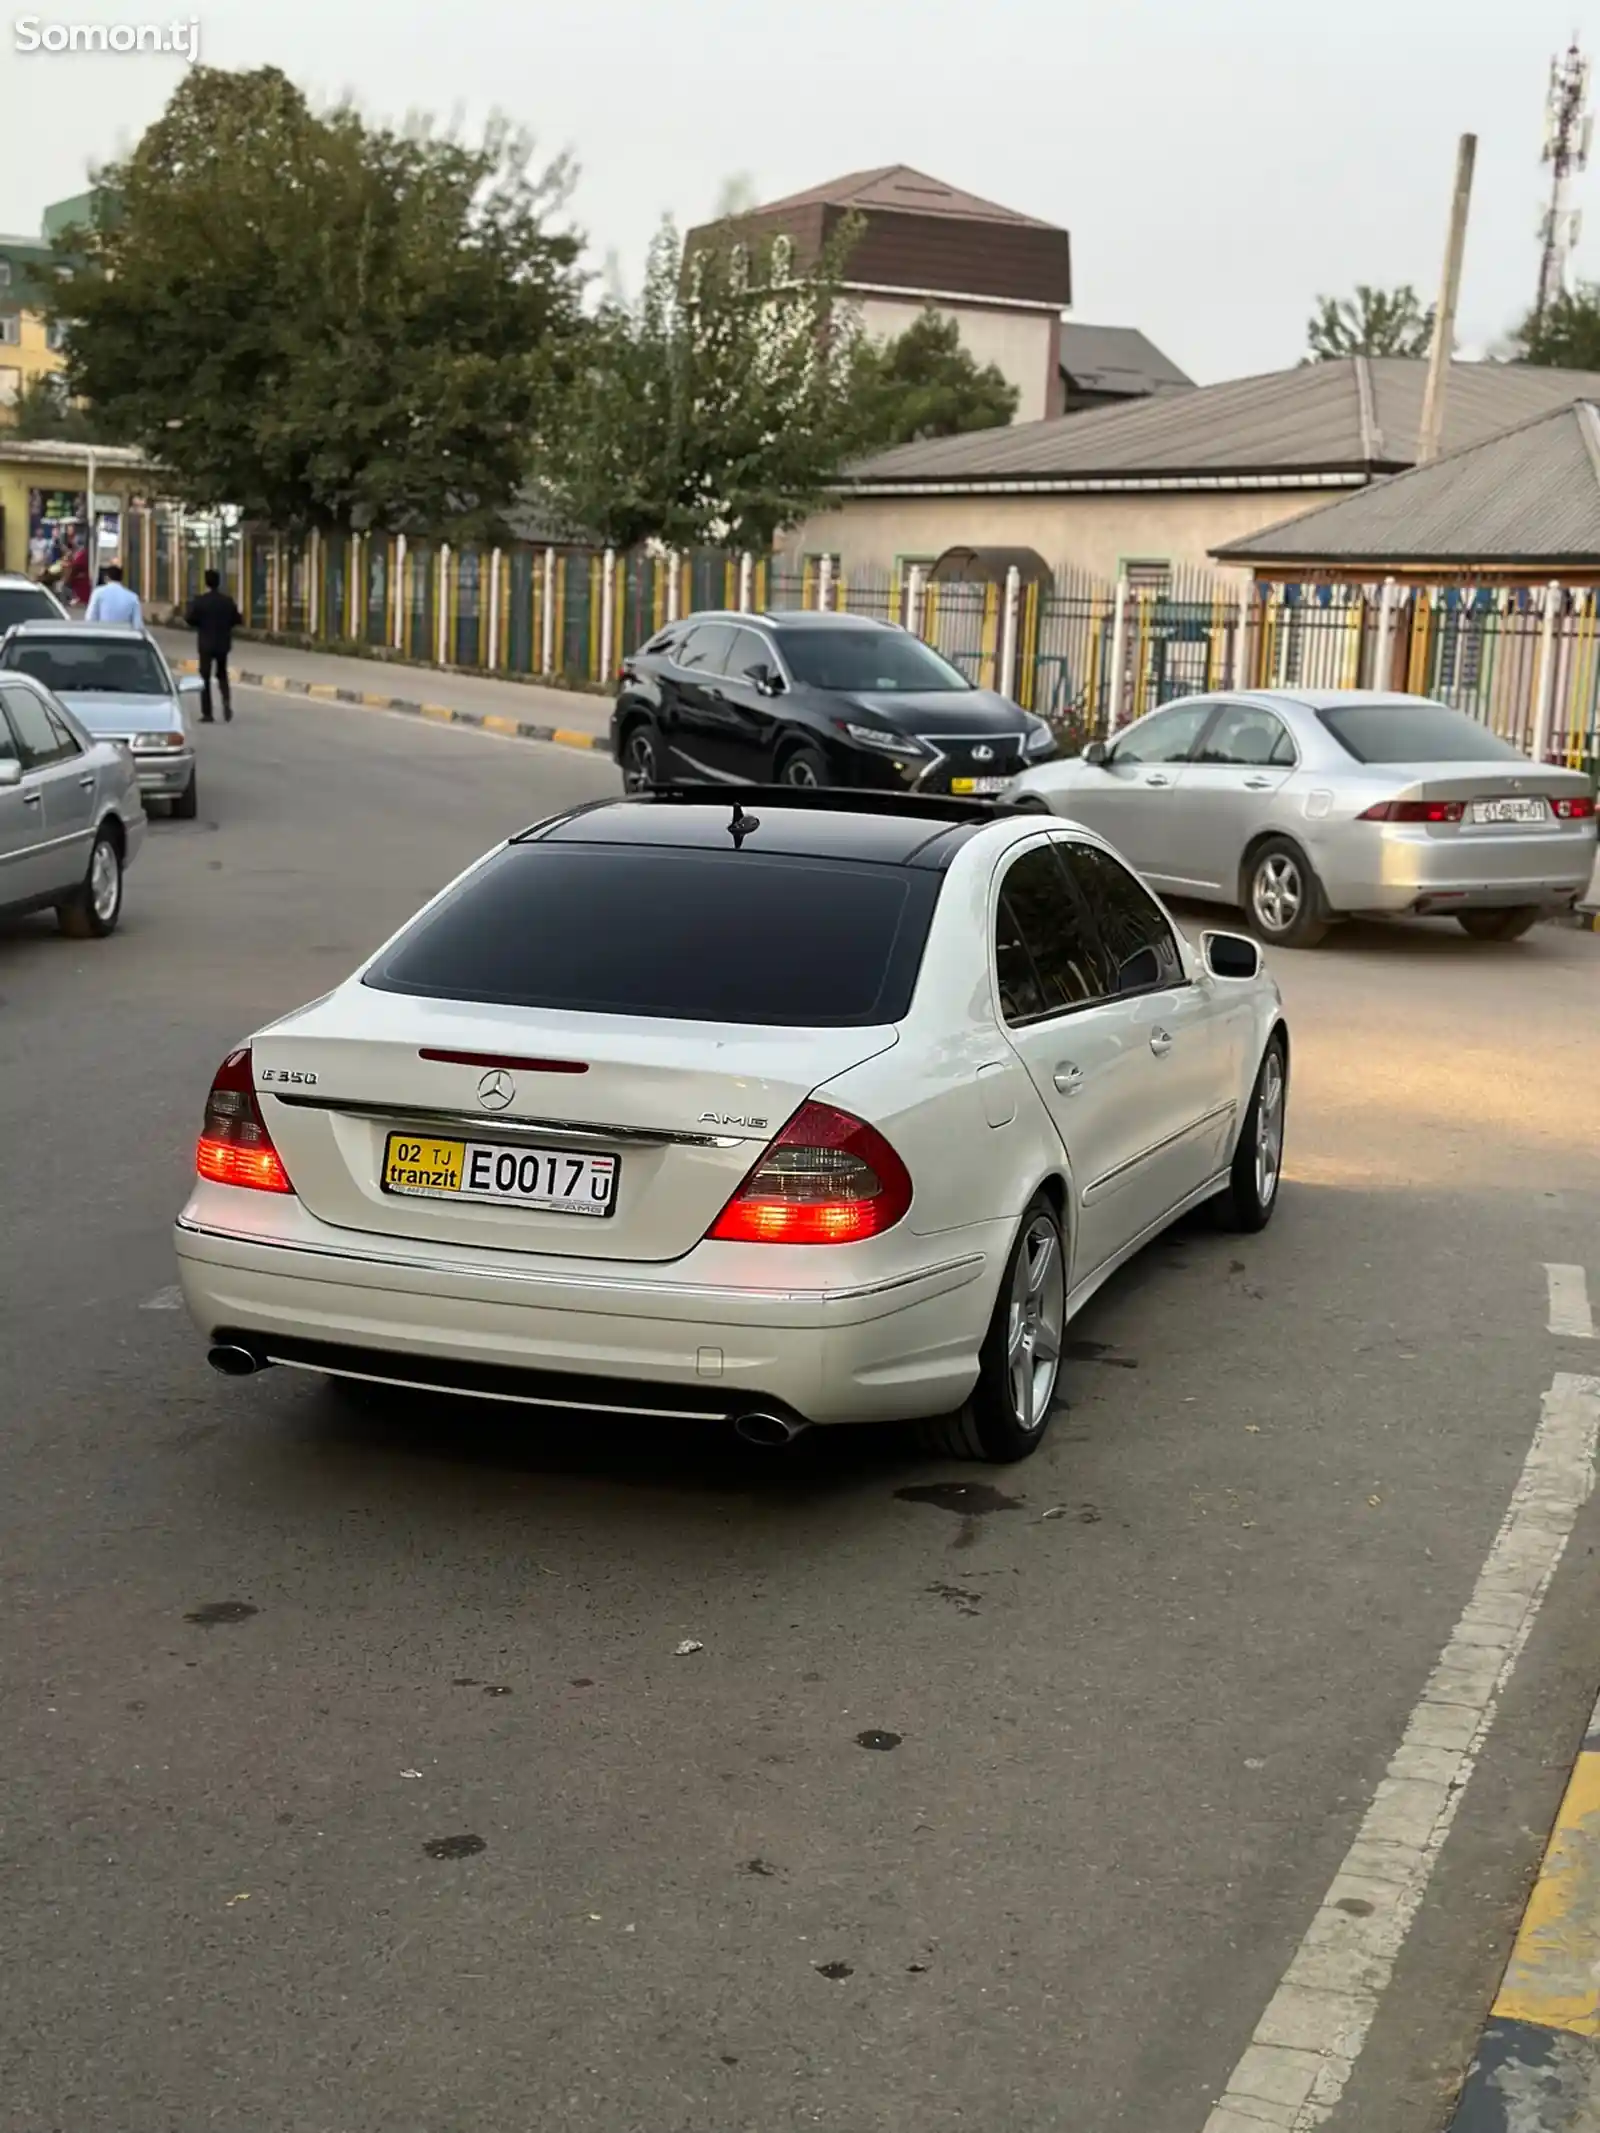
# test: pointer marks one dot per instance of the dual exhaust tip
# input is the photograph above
(772, 1432)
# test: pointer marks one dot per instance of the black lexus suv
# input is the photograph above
(800, 698)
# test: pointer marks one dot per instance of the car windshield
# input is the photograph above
(90, 666)
(796, 942)
(1402, 731)
(867, 660)
(26, 603)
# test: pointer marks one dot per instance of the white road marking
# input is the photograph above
(164, 1300)
(1306, 2045)
(1569, 1302)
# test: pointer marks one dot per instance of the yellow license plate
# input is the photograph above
(976, 785)
(412, 1164)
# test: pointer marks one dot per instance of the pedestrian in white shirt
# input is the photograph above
(112, 601)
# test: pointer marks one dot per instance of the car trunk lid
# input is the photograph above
(673, 1114)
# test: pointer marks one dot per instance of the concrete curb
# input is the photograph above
(447, 714)
(1537, 2067)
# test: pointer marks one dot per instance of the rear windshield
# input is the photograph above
(90, 665)
(873, 660)
(699, 936)
(26, 603)
(1415, 733)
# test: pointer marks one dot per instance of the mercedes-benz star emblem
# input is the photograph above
(983, 755)
(496, 1089)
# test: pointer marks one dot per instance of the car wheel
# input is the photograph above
(803, 767)
(93, 909)
(1509, 924)
(1019, 1363)
(641, 756)
(1284, 897)
(1257, 1171)
(186, 804)
(1029, 803)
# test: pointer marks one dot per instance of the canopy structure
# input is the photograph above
(991, 566)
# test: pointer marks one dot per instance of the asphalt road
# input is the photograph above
(351, 1784)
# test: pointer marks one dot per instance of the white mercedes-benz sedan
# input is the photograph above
(779, 1109)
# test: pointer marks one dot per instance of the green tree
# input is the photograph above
(1373, 322)
(716, 408)
(43, 410)
(318, 321)
(1567, 337)
(925, 384)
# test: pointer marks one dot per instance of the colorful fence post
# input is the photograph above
(1116, 696)
(1544, 687)
(1006, 677)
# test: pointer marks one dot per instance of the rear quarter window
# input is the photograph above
(686, 934)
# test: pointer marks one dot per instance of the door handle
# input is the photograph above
(1068, 1078)
(1161, 1042)
(1157, 777)
(88, 783)
(33, 799)
(1258, 784)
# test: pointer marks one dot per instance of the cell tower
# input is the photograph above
(1568, 128)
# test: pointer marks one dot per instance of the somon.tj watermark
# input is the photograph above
(178, 40)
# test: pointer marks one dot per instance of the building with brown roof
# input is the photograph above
(1005, 278)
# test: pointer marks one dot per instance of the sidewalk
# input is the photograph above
(569, 717)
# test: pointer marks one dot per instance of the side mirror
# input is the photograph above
(190, 685)
(10, 772)
(1230, 955)
(768, 681)
(1097, 753)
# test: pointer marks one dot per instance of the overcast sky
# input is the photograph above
(1218, 164)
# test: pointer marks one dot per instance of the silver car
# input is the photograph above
(1309, 806)
(116, 682)
(21, 600)
(71, 819)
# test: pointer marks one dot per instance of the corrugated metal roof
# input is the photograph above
(1358, 415)
(1529, 495)
(1117, 359)
(896, 186)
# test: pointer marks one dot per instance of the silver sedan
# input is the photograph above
(116, 682)
(71, 819)
(1309, 806)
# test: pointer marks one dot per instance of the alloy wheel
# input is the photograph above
(638, 762)
(798, 771)
(1035, 1316)
(105, 881)
(1278, 892)
(1269, 1129)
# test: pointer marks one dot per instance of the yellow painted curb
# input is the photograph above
(569, 739)
(377, 703)
(1553, 1977)
(442, 711)
(495, 724)
(324, 689)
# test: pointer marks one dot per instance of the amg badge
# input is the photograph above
(726, 1118)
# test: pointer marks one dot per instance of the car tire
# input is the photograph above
(1009, 1412)
(803, 767)
(1029, 803)
(1257, 1171)
(1283, 896)
(641, 755)
(92, 910)
(186, 804)
(1509, 924)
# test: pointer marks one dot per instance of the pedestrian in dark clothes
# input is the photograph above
(214, 618)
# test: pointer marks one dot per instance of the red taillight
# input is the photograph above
(235, 1147)
(1574, 810)
(1415, 811)
(827, 1179)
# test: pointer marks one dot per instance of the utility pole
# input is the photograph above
(1568, 128)
(1444, 317)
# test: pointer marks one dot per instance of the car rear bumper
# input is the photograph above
(1406, 869)
(888, 1350)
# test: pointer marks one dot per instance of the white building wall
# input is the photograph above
(1018, 343)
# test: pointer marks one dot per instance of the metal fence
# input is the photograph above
(1085, 654)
